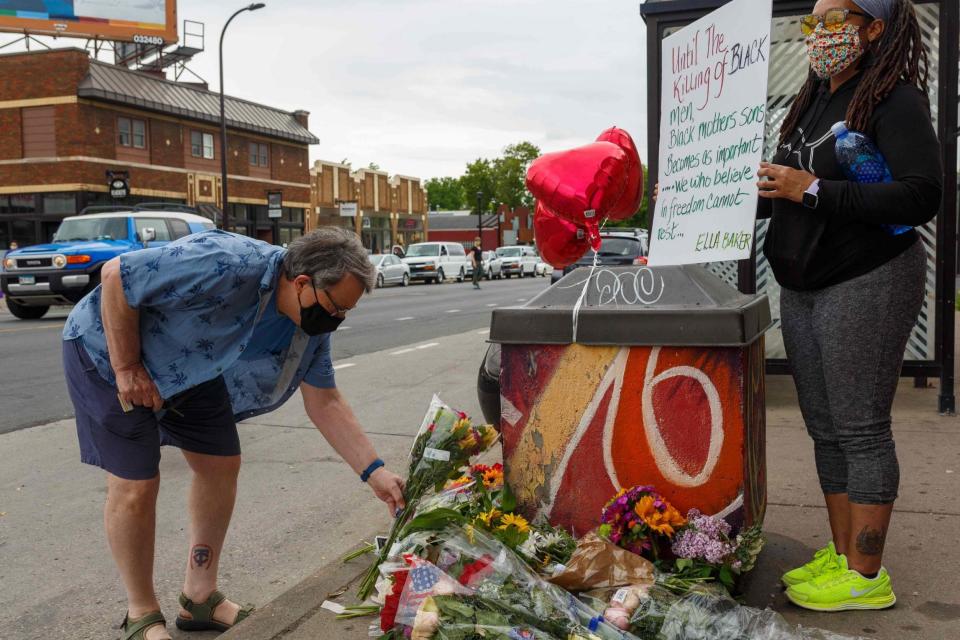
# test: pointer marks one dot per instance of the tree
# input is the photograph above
(510, 172)
(444, 193)
(479, 177)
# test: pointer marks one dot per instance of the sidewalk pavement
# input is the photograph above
(922, 550)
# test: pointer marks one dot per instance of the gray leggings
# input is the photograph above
(846, 344)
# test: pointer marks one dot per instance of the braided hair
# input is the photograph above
(898, 56)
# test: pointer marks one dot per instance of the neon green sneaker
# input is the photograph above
(823, 560)
(843, 589)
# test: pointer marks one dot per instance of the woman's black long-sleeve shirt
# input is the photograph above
(842, 238)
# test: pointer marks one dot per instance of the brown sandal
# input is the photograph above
(202, 614)
(136, 629)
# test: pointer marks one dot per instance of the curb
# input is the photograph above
(285, 614)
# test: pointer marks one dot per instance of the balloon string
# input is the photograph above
(586, 286)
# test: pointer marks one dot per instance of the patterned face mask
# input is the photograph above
(832, 53)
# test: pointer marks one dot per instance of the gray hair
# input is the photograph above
(327, 255)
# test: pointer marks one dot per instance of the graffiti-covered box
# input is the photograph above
(634, 376)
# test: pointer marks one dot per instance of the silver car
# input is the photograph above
(492, 265)
(390, 270)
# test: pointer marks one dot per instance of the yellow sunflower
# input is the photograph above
(513, 520)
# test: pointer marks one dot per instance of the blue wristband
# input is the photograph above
(376, 464)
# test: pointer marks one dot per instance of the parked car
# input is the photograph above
(66, 269)
(492, 265)
(437, 261)
(543, 269)
(518, 261)
(618, 247)
(390, 270)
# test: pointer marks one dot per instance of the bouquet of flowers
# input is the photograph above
(505, 597)
(705, 549)
(640, 520)
(446, 442)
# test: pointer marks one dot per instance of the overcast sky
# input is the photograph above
(421, 87)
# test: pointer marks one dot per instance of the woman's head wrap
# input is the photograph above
(878, 9)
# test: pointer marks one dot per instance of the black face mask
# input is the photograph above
(315, 320)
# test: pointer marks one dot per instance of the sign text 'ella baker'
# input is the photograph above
(712, 125)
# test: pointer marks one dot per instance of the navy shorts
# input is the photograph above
(128, 444)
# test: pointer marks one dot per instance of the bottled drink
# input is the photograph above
(862, 162)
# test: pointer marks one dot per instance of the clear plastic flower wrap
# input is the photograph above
(444, 445)
(707, 613)
(502, 588)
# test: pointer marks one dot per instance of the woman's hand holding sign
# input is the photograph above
(783, 182)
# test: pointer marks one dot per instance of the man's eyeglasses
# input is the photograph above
(833, 20)
(340, 311)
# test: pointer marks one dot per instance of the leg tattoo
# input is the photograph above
(201, 556)
(870, 541)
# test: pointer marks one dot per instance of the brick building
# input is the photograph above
(67, 121)
(516, 227)
(389, 210)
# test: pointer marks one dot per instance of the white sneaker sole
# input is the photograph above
(860, 604)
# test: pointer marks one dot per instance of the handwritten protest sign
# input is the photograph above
(711, 135)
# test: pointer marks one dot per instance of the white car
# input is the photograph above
(518, 261)
(390, 270)
(543, 269)
(437, 261)
(492, 265)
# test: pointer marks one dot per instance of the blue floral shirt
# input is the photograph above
(207, 308)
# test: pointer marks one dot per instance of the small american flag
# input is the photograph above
(424, 577)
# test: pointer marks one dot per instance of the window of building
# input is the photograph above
(132, 133)
(60, 203)
(18, 204)
(259, 155)
(201, 145)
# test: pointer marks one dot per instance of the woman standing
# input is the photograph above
(852, 288)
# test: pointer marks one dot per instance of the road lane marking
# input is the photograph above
(402, 351)
(484, 332)
(492, 304)
(345, 328)
(60, 327)
(429, 345)
(453, 310)
(345, 365)
(405, 318)
(521, 299)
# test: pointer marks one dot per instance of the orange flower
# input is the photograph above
(493, 479)
(644, 508)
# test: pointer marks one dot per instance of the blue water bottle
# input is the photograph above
(862, 162)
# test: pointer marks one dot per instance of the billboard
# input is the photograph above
(142, 21)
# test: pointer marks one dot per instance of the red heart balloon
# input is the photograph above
(580, 184)
(561, 242)
(632, 196)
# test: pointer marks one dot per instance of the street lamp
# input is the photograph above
(480, 217)
(223, 117)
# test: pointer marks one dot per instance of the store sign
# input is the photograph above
(118, 183)
(348, 209)
(410, 223)
(274, 204)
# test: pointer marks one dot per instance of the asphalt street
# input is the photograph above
(33, 391)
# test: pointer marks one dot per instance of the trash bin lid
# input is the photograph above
(637, 306)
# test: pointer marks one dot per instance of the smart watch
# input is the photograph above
(811, 196)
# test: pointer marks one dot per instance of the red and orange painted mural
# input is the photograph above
(580, 422)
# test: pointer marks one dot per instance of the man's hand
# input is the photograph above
(784, 182)
(388, 487)
(136, 387)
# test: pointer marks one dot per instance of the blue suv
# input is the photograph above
(62, 272)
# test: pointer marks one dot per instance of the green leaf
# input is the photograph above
(432, 521)
(508, 501)
(726, 576)
(684, 563)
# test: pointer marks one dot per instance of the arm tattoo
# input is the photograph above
(201, 557)
(870, 541)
